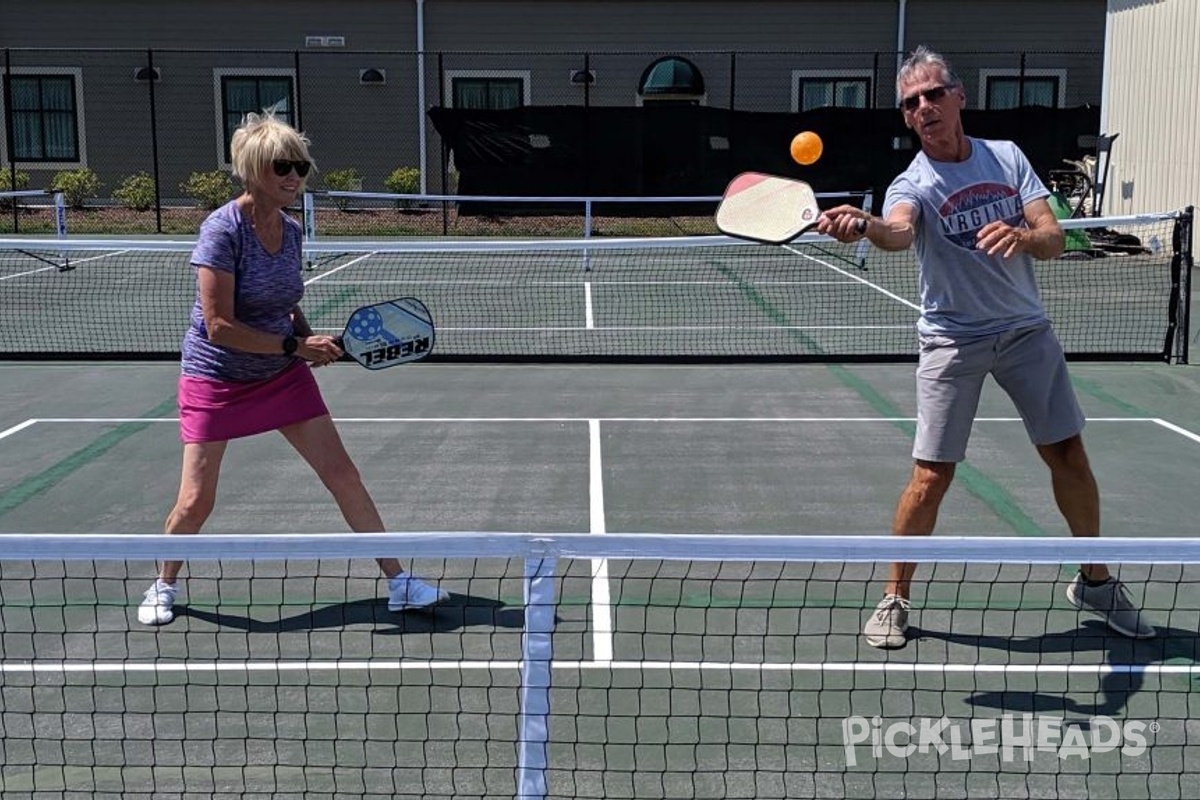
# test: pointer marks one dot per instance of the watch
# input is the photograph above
(289, 345)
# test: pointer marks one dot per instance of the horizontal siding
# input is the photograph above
(748, 52)
(1152, 103)
(970, 25)
(498, 25)
(978, 37)
(202, 24)
(652, 24)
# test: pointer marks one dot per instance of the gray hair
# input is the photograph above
(923, 60)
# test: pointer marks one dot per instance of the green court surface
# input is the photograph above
(670, 678)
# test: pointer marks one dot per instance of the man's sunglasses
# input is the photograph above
(282, 167)
(913, 102)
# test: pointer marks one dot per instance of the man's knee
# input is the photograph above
(930, 480)
(1068, 454)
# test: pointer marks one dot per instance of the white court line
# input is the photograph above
(337, 269)
(50, 267)
(46, 268)
(1177, 429)
(18, 428)
(670, 328)
(839, 420)
(857, 278)
(505, 282)
(602, 611)
(726, 284)
(405, 665)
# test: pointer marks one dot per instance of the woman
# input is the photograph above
(247, 356)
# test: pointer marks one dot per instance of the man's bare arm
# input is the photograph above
(897, 232)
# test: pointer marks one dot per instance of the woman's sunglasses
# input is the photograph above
(282, 167)
(913, 102)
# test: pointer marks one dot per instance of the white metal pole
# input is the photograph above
(421, 92)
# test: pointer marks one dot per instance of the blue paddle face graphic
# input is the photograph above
(366, 324)
(389, 333)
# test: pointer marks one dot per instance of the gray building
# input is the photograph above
(124, 86)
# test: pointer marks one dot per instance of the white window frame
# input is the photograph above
(218, 100)
(525, 75)
(81, 128)
(803, 74)
(986, 73)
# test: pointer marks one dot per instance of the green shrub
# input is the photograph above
(10, 182)
(76, 185)
(136, 192)
(403, 180)
(342, 180)
(13, 183)
(213, 189)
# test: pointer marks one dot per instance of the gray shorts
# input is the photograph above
(1027, 363)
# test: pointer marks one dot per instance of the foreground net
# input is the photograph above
(602, 666)
(1120, 292)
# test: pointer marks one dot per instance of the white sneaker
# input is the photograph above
(887, 627)
(157, 606)
(406, 592)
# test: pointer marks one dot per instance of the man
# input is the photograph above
(978, 216)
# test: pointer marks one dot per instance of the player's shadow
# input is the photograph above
(459, 612)
(1115, 688)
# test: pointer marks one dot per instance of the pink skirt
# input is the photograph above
(211, 410)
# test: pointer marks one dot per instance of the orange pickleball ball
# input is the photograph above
(806, 148)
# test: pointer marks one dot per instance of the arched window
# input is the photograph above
(671, 79)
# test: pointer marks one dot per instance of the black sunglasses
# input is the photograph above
(282, 167)
(913, 102)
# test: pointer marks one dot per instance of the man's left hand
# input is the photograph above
(1000, 238)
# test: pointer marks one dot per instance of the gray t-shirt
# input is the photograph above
(965, 291)
(269, 286)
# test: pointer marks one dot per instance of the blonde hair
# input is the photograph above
(262, 138)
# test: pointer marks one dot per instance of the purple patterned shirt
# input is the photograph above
(269, 285)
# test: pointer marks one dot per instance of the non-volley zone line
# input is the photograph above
(209, 666)
(588, 419)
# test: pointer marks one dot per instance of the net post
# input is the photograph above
(860, 252)
(60, 215)
(1182, 262)
(60, 228)
(587, 232)
(537, 652)
(307, 203)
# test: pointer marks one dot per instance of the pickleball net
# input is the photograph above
(597, 666)
(1121, 291)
